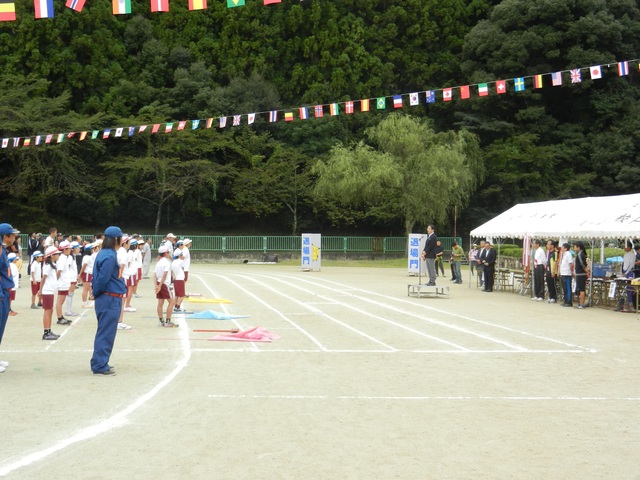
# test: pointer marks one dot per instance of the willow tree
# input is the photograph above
(406, 170)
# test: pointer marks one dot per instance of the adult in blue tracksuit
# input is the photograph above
(8, 235)
(108, 290)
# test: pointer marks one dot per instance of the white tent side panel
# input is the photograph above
(590, 217)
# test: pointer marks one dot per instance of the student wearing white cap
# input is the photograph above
(15, 275)
(63, 265)
(73, 279)
(86, 272)
(108, 290)
(48, 290)
(137, 262)
(186, 258)
(162, 284)
(36, 278)
(8, 235)
(123, 254)
(178, 278)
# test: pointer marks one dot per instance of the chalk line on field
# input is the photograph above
(427, 398)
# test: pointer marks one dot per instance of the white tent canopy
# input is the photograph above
(579, 218)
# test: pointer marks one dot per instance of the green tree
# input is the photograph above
(409, 172)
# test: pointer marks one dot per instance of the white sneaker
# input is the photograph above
(124, 326)
(135, 295)
(129, 309)
(539, 299)
(552, 300)
(4, 364)
(71, 314)
(2, 369)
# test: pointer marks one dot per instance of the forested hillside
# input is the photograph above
(94, 70)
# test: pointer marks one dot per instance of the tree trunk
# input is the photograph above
(158, 216)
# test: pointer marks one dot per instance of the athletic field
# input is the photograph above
(365, 383)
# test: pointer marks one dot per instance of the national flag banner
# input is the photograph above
(465, 92)
(121, 7)
(623, 69)
(94, 134)
(195, 124)
(159, 6)
(197, 4)
(271, 2)
(209, 123)
(381, 103)
(333, 109)
(43, 8)
(596, 72)
(83, 135)
(318, 111)
(182, 124)
(38, 139)
(27, 142)
(71, 134)
(537, 81)
(76, 5)
(48, 138)
(142, 128)
(131, 131)
(273, 116)
(223, 122)
(119, 131)
(519, 84)
(288, 116)
(251, 117)
(556, 79)
(236, 120)
(483, 90)
(60, 137)
(576, 75)
(430, 96)
(168, 127)
(364, 105)
(397, 101)
(446, 94)
(235, 3)
(7, 11)
(5, 142)
(304, 113)
(501, 86)
(16, 141)
(348, 107)
(414, 99)
(106, 133)
(155, 128)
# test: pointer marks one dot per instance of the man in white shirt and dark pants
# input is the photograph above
(539, 261)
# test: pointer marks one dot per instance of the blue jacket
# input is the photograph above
(105, 274)
(6, 280)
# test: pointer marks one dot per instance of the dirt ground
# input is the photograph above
(366, 382)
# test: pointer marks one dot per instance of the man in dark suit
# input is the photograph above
(489, 267)
(429, 254)
(482, 254)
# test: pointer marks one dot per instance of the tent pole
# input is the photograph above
(593, 241)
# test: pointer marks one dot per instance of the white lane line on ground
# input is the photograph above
(310, 308)
(276, 311)
(444, 312)
(464, 330)
(323, 314)
(117, 420)
(66, 329)
(428, 398)
(445, 352)
(382, 319)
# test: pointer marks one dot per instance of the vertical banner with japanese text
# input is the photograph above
(311, 251)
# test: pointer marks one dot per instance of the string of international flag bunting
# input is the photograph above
(44, 8)
(447, 94)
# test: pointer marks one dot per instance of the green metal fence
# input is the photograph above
(275, 244)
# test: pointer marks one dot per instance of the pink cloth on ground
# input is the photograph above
(255, 334)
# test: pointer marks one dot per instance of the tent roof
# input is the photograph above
(590, 217)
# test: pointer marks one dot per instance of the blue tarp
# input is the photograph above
(614, 260)
(213, 315)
